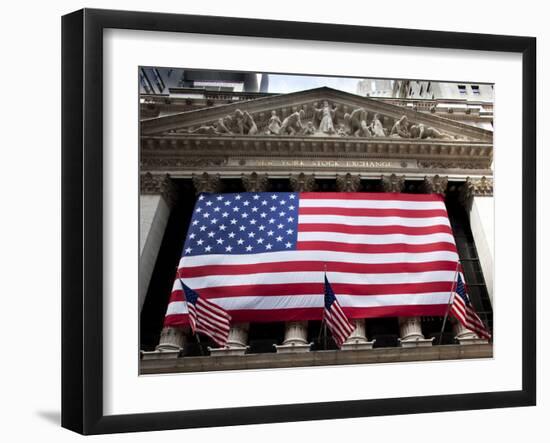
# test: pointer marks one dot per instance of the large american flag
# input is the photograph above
(462, 309)
(334, 317)
(261, 256)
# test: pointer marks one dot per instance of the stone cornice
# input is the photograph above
(306, 146)
(158, 184)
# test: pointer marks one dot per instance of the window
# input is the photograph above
(462, 89)
(475, 89)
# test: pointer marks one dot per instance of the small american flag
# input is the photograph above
(335, 318)
(464, 312)
(206, 317)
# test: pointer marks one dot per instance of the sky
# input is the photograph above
(292, 83)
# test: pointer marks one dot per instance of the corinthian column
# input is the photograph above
(296, 331)
(157, 197)
(464, 336)
(410, 329)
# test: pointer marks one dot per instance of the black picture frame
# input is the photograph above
(82, 218)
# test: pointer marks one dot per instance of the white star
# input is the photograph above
(202, 228)
(222, 227)
(188, 250)
(214, 221)
(217, 209)
(273, 208)
(206, 215)
(211, 234)
(249, 248)
(256, 197)
(219, 197)
(288, 245)
(271, 220)
(235, 209)
(195, 222)
(240, 241)
(219, 241)
(198, 210)
(228, 248)
(280, 226)
(282, 202)
(192, 236)
(208, 203)
(260, 240)
(227, 202)
(270, 233)
(279, 238)
(268, 246)
(234, 221)
(282, 213)
(231, 235)
(251, 234)
(291, 207)
(274, 197)
(200, 242)
(201, 197)
(290, 219)
(208, 248)
(289, 231)
(244, 215)
(237, 197)
(242, 228)
(261, 227)
(252, 222)
(291, 196)
(246, 203)
(263, 214)
(254, 209)
(225, 214)
(264, 202)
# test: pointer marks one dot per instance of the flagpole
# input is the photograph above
(449, 302)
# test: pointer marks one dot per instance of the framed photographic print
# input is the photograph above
(253, 208)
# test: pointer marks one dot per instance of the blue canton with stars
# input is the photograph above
(243, 223)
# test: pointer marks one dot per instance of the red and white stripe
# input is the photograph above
(338, 324)
(385, 254)
(209, 319)
(468, 317)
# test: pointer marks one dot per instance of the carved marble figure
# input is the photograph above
(422, 131)
(325, 116)
(293, 123)
(400, 128)
(376, 127)
(357, 122)
(274, 124)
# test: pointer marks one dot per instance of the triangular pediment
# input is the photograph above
(320, 112)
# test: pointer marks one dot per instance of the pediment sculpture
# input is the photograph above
(324, 122)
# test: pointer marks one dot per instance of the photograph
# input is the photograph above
(293, 220)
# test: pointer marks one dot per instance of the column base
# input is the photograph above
(465, 341)
(293, 348)
(416, 343)
(357, 345)
(160, 354)
(224, 352)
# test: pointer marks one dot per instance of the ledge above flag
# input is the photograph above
(261, 256)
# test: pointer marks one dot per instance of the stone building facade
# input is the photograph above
(283, 142)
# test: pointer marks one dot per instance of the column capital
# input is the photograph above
(435, 185)
(206, 182)
(392, 183)
(163, 185)
(348, 182)
(255, 182)
(302, 182)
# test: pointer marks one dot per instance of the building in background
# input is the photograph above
(446, 147)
